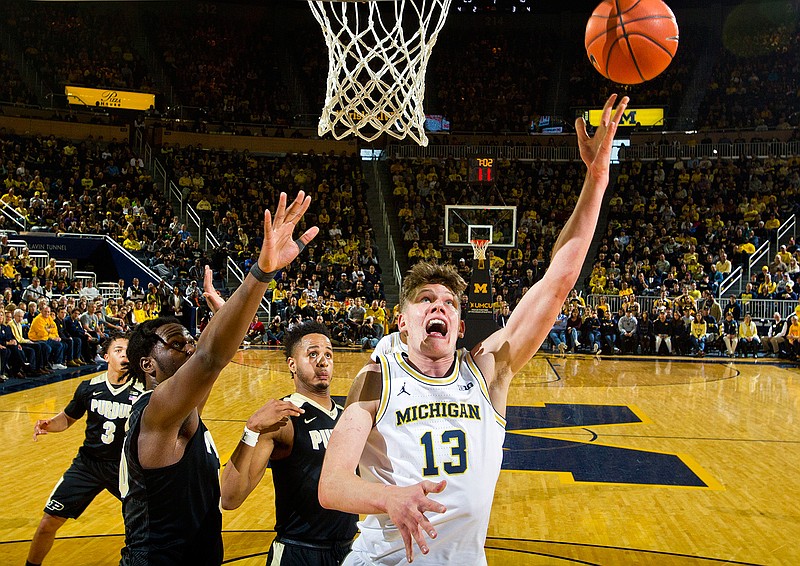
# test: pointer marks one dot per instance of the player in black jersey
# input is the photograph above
(292, 435)
(107, 400)
(169, 471)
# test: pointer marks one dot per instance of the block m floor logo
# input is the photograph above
(528, 447)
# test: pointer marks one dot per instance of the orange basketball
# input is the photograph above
(631, 41)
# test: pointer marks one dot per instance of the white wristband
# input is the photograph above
(249, 437)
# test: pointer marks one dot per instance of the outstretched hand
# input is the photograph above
(213, 299)
(279, 248)
(596, 150)
(406, 507)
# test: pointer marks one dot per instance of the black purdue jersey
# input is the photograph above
(298, 514)
(108, 408)
(172, 514)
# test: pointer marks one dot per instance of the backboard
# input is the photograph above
(465, 222)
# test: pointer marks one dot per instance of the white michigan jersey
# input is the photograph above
(434, 429)
(389, 344)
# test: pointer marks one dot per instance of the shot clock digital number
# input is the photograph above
(481, 170)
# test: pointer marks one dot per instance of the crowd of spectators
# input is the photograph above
(754, 83)
(666, 238)
(487, 81)
(69, 43)
(12, 88)
(224, 62)
(52, 321)
(690, 324)
(691, 222)
(236, 65)
(64, 187)
(544, 194)
(340, 267)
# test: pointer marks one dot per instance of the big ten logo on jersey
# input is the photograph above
(320, 438)
(110, 409)
(211, 448)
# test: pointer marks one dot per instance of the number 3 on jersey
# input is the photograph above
(457, 441)
(108, 436)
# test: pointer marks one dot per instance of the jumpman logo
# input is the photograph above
(403, 390)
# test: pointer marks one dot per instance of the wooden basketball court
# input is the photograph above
(608, 461)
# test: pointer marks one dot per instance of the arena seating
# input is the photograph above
(72, 44)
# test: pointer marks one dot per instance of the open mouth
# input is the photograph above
(436, 327)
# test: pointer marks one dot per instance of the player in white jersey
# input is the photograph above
(446, 440)
(389, 344)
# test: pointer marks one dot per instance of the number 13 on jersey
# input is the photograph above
(457, 441)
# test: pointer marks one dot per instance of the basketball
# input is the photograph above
(631, 41)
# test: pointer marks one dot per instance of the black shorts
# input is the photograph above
(80, 484)
(288, 552)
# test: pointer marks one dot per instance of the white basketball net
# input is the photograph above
(479, 248)
(376, 68)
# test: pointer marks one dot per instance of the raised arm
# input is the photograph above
(248, 463)
(339, 486)
(175, 398)
(511, 347)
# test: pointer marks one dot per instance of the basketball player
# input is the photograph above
(106, 399)
(169, 471)
(291, 435)
(432, 422)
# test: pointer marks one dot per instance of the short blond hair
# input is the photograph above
(427, 273)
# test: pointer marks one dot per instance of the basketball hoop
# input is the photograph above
(376, 68)
(479, 248)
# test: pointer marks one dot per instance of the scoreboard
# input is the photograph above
(481, 169)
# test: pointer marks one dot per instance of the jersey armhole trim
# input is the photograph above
(473, 367)
(386, 388)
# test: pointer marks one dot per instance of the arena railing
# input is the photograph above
(193, 220)
(235, 271)
(11, 213)
(733, 279)
(40, 258)
(787, 225)
(570, 152)
(109, 290)
(760, 309)
(757, 257)
(64, 264)
(385, 218)
(85, 276)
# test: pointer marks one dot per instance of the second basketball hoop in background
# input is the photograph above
(378, 51)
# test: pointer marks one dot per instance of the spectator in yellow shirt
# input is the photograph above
(748, 336)
(416, 253)
(793, 337)
(44, 331)
(139, 314)
(377, 313)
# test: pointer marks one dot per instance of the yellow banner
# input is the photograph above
(632, 117)
(109, 98)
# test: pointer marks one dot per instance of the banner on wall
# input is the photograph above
(632, 117)
(109, 98)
